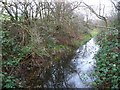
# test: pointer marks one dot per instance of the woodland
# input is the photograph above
(39, 39)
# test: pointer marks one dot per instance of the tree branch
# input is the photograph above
(99, 16)
(8, 11)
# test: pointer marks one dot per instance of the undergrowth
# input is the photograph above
(108, 60)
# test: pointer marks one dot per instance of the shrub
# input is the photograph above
(107, 60)
(11, 55)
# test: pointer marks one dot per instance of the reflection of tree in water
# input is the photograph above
(56, 75)
(87, 49)
(82, 51)
(59, 74)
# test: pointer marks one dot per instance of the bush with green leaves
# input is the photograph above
(108, 61)
(12, 53)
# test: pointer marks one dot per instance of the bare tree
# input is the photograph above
(116, 4)
(99, 16)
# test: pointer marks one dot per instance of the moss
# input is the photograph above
(95, 32)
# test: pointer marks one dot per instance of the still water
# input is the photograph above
(84, 65)
(73, 73)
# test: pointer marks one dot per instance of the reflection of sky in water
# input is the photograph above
(84, 65)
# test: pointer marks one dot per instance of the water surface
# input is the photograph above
(84, 63)
(73, 73)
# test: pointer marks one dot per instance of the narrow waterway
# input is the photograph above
(73, 73)
(84, 64)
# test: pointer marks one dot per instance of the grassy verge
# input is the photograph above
(87, 37)
(95, 32)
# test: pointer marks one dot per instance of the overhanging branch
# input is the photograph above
(99, 16)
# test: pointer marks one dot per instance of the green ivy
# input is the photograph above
(12, 53)
(107, 60)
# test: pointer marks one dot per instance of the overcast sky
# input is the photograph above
(95, 4)
(106, 5)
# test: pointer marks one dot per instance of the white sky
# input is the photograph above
(95, 4)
